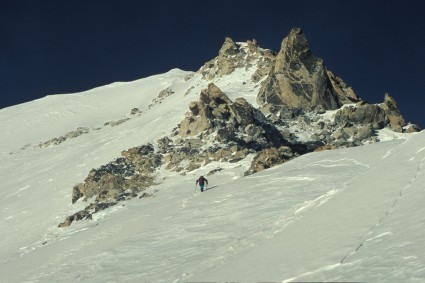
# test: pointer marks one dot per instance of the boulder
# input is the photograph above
(412, 128)
(224, 134)
(242, 111)
(270, 157)
(363, 133)
(82, 214)
(135, 111)
(213, 96)
(365, 114)
(192, 126)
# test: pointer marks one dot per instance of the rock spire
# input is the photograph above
(300, 80)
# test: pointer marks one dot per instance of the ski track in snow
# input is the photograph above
(378, 234)
(394, 204)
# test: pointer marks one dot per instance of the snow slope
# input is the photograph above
(344, 215)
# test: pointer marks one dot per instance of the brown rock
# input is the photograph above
(213, 103)
(396, 120)
(325, 147)
(300, 80)
(270, 157)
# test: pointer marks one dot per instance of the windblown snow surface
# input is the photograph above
(355, 214)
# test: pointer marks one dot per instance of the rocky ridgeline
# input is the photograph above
(297, 92)
(233, 55)
(299, 89)
(352, 125)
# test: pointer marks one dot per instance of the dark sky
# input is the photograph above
(52, 47)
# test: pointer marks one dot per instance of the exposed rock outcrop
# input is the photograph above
(395, 119)
(299, 80)
(238, 125)
(86, 213)
(163, 94)
(70, 135)
(116, 181)
(235, 121)
(270, 157)
(134, 171)
(376, 116)
(345, 93)
(233, 55)
(364, 114)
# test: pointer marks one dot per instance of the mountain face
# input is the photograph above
(115, 168)
(295, 91)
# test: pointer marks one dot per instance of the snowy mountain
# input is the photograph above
(115, 168)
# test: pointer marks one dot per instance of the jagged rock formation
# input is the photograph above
(372, 115)
(233, 55)
(118, 180)
(296, 92)
(395, 119)
(299, 83)
(240, 126)
(235, 121)
(134, 172)
(345, 93)
(299, 80)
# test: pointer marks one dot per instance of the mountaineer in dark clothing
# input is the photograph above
(202, 181)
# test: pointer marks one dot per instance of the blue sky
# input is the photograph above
(52, 47)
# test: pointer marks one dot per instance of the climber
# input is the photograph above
(201, 182)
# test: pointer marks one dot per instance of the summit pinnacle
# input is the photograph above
(300, 80)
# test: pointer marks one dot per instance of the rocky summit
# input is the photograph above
(299, 106)
(300, 80)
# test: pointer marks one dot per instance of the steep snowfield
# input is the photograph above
(345, 215)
